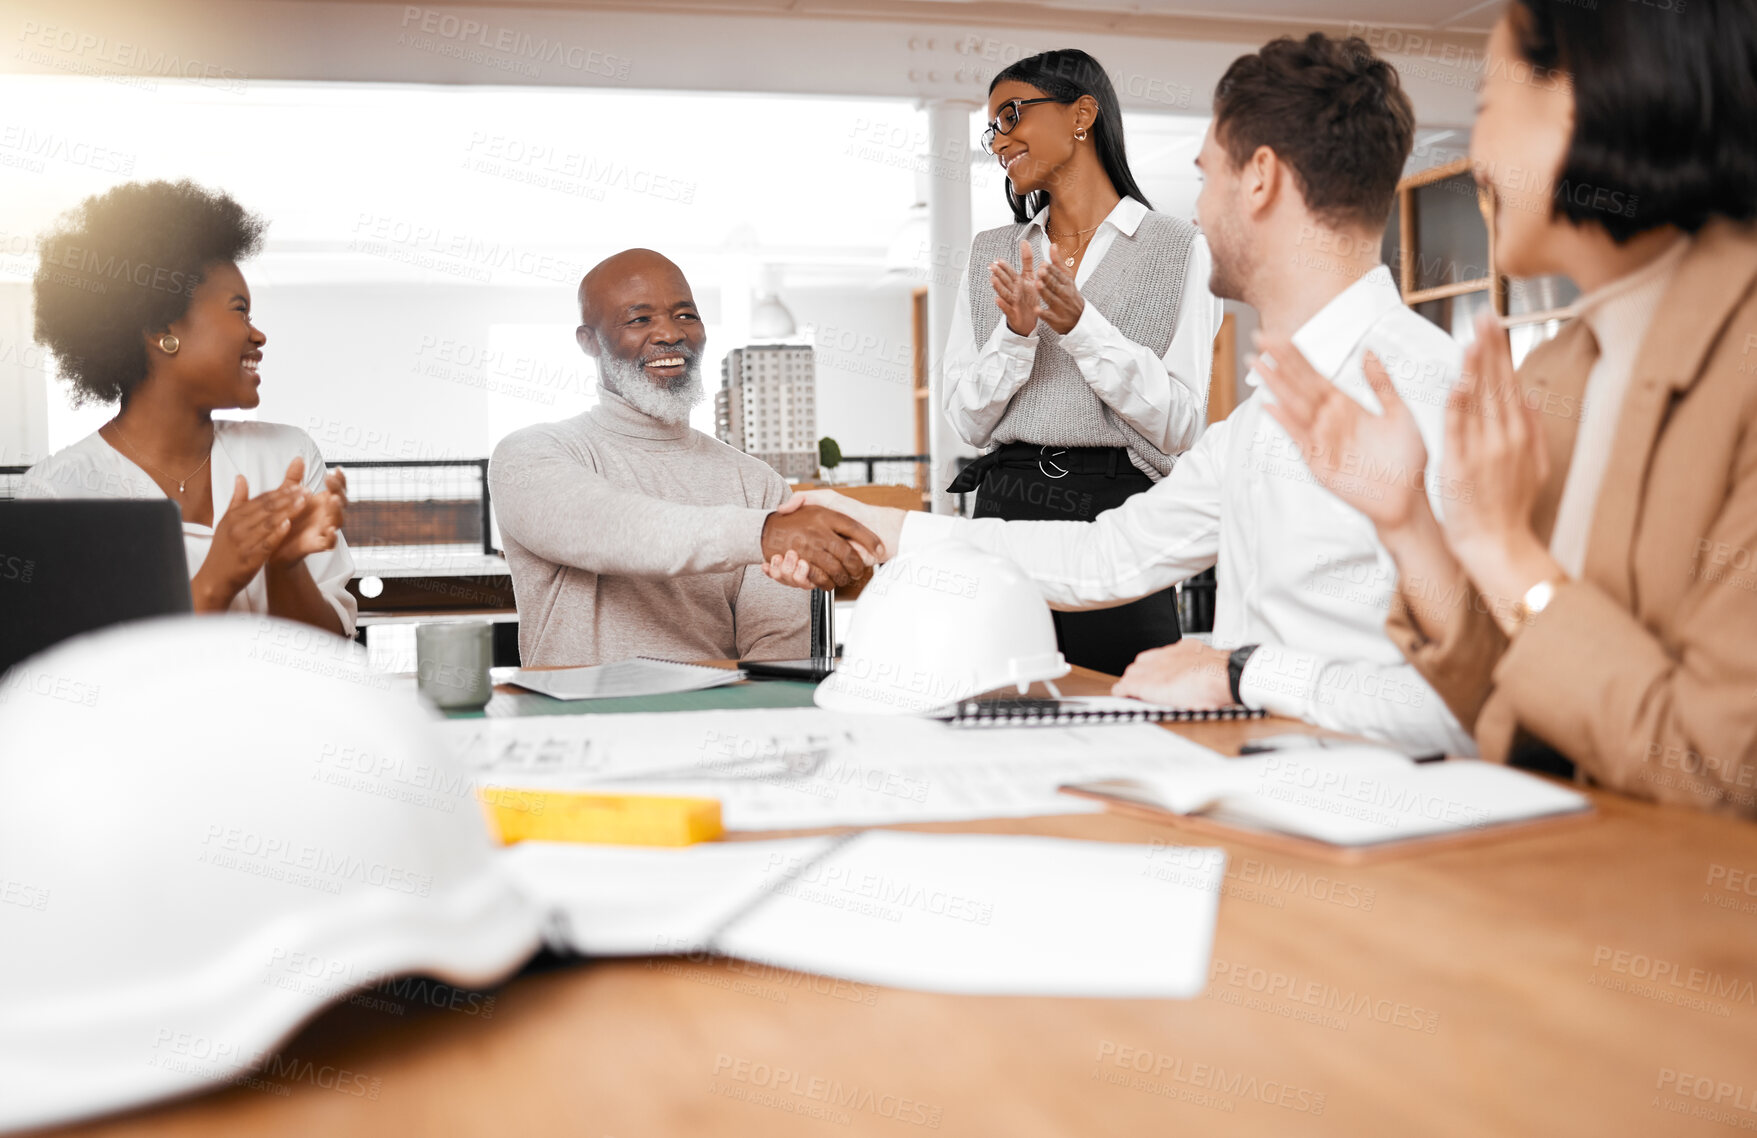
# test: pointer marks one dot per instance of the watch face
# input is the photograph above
(1538, 597)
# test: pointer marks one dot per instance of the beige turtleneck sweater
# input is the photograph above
(628, 536)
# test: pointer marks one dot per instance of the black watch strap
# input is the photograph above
(1235, 668)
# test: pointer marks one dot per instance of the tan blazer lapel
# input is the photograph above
(1709, 282)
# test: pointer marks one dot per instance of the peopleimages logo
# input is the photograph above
(1325, 997)
(795, 1090)
(840, 887)
(301, 863)
(515, 46)
(204, 1056)
(1705, 1088)
(327, 977)
(1157, 1067)
(1658, 970)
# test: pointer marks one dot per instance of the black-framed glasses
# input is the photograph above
(1009, 118)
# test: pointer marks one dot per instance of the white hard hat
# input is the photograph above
(940, 624)
(211, 827)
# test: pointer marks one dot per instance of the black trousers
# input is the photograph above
(1024, 482)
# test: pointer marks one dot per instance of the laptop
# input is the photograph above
(69, 566)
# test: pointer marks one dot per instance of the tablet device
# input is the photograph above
(72, 565)
(813, 668)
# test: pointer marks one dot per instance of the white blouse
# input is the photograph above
(1163, 397)
(1619, 315)
(92, 468)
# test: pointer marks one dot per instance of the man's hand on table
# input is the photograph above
(881, 525)
(1186, 674)
(828, 549)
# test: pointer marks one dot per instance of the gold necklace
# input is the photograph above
(135, 454)
(1079, 249)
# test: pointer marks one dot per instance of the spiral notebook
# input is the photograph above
(1040, 712)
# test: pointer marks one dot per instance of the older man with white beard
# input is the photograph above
(631, 534)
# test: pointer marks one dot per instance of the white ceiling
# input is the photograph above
(1457, 15)
(1164, 56)
(1164, 18)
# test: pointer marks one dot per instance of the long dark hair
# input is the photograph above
(1064, 75)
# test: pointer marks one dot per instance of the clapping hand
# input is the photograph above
(245, 537)
(1494, 448)
(1375, 463)
(1016, 291)
(314, 527)
(1062, 302)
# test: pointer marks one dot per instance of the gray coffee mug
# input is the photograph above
(451, 664)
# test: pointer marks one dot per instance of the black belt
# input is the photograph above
(1052, 461)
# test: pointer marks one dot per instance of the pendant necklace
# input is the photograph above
(1069, 261)
(135, 454)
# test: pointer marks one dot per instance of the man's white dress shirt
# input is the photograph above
(1300, 573)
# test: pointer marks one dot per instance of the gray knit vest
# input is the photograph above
(1138, 287)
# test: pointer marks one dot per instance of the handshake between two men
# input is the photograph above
(811, 541)
(1187, 673)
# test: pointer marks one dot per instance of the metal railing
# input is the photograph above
(396, 502)
(446, 502)
(871, 461)
(11, 478)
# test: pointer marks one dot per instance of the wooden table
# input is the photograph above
(1594, 980)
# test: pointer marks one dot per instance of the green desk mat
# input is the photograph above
(744, 695)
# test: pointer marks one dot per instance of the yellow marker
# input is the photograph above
(607, 819)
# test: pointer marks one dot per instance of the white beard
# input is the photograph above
(671, 404)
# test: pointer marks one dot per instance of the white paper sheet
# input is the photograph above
(797, 768)
(1356, 796)
(971, 914)
(635, 901)
(637, 677)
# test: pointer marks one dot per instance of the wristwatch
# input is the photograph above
(1536, 599)
(1235, 668)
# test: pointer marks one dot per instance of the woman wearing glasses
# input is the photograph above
(1082, 337)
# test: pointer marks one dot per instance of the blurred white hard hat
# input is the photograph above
(940, 624)
(210, 828)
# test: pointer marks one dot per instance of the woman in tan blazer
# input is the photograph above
(1589, 599)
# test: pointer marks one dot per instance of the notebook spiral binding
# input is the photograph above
(682, 664)
(1012, 713)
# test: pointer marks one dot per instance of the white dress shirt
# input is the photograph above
(92, 468)
(1618, 314)
(1300, 573)
(1166, 399)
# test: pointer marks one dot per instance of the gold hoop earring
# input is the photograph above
(169, 344)
(1080, 135)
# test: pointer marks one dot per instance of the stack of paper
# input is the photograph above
(1349, 796)
(799, 768)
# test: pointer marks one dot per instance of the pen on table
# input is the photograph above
(1273, 743)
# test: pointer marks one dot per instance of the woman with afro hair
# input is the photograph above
(141, 301)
